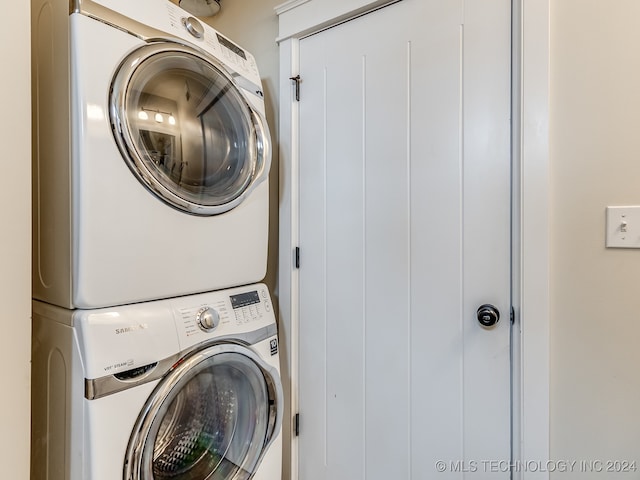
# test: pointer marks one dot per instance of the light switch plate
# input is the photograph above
(623, 227)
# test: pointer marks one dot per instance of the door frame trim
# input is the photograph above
(531, 233)
(530, 216)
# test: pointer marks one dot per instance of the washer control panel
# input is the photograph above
(249, 306)
(223, 312)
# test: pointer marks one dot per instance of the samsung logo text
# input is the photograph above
(131, 328)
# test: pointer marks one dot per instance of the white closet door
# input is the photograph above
(404, 233)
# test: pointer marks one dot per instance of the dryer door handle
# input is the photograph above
(263, 146)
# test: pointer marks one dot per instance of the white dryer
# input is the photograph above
(177, 389)
(151, 155)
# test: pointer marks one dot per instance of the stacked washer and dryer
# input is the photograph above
(155, 349)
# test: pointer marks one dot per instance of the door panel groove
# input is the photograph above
(409, 252)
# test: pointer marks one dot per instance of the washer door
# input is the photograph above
(212, 417)
(186, 130)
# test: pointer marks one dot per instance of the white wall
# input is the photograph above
(15, 254)
(595, 292)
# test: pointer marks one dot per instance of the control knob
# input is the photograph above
(193, 26)
(207, 319)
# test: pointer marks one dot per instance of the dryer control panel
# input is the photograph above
(145, 14)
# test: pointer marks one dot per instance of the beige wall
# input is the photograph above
(595, 292)
(15, 254)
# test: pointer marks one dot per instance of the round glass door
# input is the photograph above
(185, 129)
(212, 418)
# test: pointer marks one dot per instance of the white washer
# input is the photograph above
(151, 155)
(186, 388)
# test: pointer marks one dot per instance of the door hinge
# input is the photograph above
(513, 316)
(296, 80)
(297, 257)
(296, 424)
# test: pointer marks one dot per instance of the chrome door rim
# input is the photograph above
(260, 140)
(134, 468)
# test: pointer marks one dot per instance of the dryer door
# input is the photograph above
(212, 417)
(186, 130)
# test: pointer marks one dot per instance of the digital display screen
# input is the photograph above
(232, 46)
(244, 299)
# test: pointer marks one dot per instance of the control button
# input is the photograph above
(267, 306)
(207, 319)
(193, 26)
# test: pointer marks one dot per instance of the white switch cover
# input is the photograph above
(623, 227)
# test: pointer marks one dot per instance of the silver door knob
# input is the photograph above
(488, 315)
